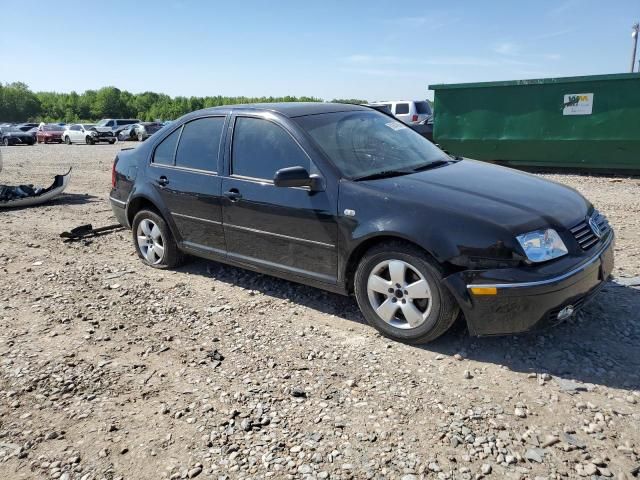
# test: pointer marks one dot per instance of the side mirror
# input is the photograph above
(297, 177)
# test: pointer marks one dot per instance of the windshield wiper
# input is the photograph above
(384, 174)
(427, 166)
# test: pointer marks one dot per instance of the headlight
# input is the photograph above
(542, 245)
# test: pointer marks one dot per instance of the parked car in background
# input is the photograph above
(86, 133)
(139, 131)
(415, 113)
(25, 127)
(114, 125)
(15, 136)
(347, 199)
(410, 112)
(50, 133)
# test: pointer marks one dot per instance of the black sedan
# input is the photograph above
(15, 136)
(139, 131)
(346, 199)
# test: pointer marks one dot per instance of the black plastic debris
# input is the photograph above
(87, 231)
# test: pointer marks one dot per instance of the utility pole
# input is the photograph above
(634, 35)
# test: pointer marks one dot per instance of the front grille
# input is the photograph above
(584, 233)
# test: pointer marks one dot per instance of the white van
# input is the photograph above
(411, 112)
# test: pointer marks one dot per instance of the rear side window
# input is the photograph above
(261, 148)
(199, 144)
(423, 108)
(167, 148)
(402, 108)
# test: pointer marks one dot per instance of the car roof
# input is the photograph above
(291, 109)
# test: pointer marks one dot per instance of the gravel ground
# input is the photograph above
(109, 369)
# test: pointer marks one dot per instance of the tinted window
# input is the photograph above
(109, 124)
(261, 148)
(126, 122)
(199, 144)
(423, 107)
(402, 108)
(75, 127)
(166, 149)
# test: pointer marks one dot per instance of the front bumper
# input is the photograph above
(530, 299)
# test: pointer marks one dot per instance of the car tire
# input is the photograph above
(396, 278)
(89, 140)
(67, 140)
(5, 142)
(111, 142)
(154, 242)
(140, 137)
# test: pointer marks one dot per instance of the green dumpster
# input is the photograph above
(590, 122)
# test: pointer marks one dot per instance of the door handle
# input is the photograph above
(234, 195)
(162, 181)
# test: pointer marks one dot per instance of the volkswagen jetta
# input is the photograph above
(347, 199)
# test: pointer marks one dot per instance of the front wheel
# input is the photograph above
(154, 242)
(67, 140)
(111, 142)
(140, 137)
(5, 142)
(89, 140)
(399, 291)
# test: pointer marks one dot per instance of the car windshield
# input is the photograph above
(152, 127)
(423, 107)
(52, 128)
(88, 126)
(366, 143)
(103, 123)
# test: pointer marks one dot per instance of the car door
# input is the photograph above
(184, 169)
(289, 229)
(401, 112)
(75, 133)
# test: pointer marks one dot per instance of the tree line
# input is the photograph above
(19, 104)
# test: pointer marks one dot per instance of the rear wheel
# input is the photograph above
(154, 242)
(399, 291)
(5, 142)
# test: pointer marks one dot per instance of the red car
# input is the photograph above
(50, 133)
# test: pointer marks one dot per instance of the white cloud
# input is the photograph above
(506, 48)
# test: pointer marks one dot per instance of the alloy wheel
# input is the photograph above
(150, 241)
(399, 294)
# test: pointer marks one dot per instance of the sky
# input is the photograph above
(370, 49)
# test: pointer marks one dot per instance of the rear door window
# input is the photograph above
(402, 108)
(200, 144)
(423, 108)
(261, 148)
(166, 150)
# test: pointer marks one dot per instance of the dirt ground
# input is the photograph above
(109, 369)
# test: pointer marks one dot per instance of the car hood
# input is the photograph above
(514, 200)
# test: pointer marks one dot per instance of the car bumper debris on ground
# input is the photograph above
(109, 369)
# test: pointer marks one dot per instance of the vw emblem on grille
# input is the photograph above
(595, 228)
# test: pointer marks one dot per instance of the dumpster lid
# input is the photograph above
(537, 81)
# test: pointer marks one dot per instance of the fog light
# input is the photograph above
(566, 312)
